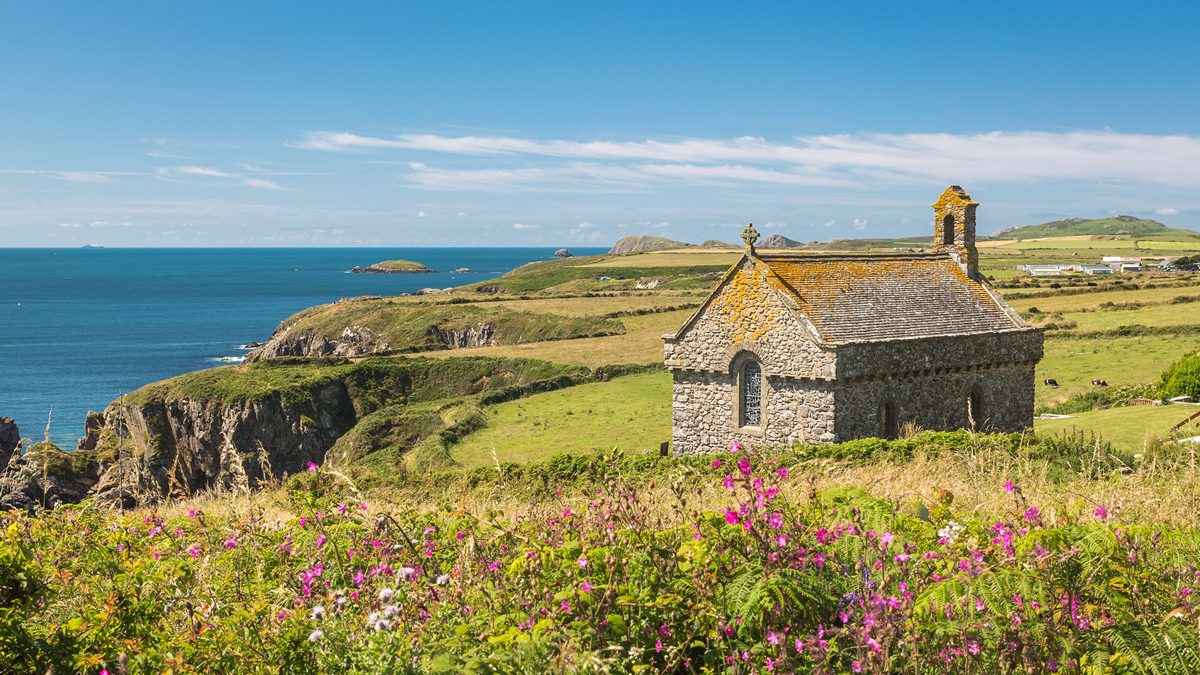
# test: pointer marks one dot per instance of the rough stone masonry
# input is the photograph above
(817, 348)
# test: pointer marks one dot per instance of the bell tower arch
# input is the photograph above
(954, 228)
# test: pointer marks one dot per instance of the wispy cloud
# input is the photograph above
(173, 173)
(829, 160)
(73, 176)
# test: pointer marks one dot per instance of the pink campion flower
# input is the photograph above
(901, 557)
(192, 513)
(1009, 487)
(1032, 515)
(886, 539)
(856, 666)
(303, 521)
(231, 542)
(799, 646)
(731, 517)
(1101, 512)
(728, 482)
(658, 643)
(782, 473)
(312, 466)
(343, 508)
(775, 520)
(565, 606)
(773, 637)
(585, 587)
(744, 465)
(494, 565)
(567, 513)
(582, 563)
(735, 446)
(120, 548)
(716, 464)
(194, 550)
(1185, 592)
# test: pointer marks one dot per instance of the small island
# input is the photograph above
(393, 267)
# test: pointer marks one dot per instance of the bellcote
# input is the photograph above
(954, 228)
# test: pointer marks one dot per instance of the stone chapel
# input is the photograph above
(815, 348)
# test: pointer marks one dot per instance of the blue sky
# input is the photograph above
(573, 123)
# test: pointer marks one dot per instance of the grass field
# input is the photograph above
(641, 343)
(1132, 360)
(669, 259)
(1130, 427)
(631, 413)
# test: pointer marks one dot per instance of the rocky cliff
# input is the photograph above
(241, 428)
(374, 325)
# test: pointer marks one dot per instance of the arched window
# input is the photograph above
(975, 409)
(890, 420)
(948, 229)
(750, 385)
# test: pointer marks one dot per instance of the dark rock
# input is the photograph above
(10, 440)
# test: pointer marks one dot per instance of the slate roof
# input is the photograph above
(870, 297)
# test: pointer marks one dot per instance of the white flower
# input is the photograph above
(382, 625)
(390, 611)
(341, 602)
(318, 612)
(951, 531)
(406, 572)
(443, 579)
(386, 594)
(315, 635)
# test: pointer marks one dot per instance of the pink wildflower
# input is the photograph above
(585, 587)
(312, 466)
(320, 540)
(731, 517)
(658, 643)
(1009, 487)
(734, 447)
(773, 637)
(231, 542)
(728, 482)
(1101, 512)
(716, 463)
(583, 563)
(856, 666)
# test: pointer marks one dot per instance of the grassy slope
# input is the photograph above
(407, 325)
(1119, 225)
(632, 413)
(1128, 427)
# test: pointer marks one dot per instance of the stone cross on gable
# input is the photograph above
(750, 235)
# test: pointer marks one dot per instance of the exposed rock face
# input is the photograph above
(482, 335)
(182, 446)
(563, 253)
(47, 477)
(778, 241)
(354, 341)
(10, 440)
(635, 243)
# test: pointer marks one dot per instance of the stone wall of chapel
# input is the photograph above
(748, 315)
(705, 411)
(938, 401)
(870, 359)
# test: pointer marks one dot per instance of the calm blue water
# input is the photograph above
(79, 328)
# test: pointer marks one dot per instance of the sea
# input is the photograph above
(81, 327)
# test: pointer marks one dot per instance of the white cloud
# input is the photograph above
(1022, 156)
(524, 226)
(420, 214)
(72, 176)
(1166, 212)
(173, 173)
(860, 224)
(829, 223)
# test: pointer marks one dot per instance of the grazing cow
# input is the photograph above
(1099, 383)
(1050, 382)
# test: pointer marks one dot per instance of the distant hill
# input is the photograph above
(717, 243)
(644, 242)
(1115, 226)
(778, 241)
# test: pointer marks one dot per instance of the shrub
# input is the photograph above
(1182, 378)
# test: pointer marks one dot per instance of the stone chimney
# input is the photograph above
(954, 228)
